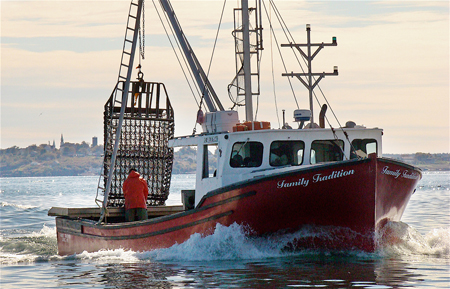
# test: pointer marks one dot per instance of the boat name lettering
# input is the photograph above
(300, 182)
(333, 175)
(388, 172)
(316, 178)
(211, 139)
(405, 174)
(410, 175)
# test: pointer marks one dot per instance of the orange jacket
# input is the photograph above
(135, 191)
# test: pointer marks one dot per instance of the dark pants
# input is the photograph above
(136, 214)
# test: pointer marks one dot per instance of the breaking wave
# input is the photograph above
(228, 243)
(16, 206)
(400, 239)
(34, 247)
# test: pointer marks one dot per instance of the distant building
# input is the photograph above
(94, 141)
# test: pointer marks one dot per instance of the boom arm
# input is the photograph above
(212, 101)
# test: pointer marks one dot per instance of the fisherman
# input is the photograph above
(135, 191)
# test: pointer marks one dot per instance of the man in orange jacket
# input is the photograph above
(135, 191)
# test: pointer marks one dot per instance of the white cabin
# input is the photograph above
(246, 155)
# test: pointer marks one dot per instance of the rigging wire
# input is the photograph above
(176, 54)
(340, 126)
(215, 40)
(288, 36)
(273, 70)
(195, 84)
(290, 39)
(279, 52)
(315, 96)
(293, 41)
(210, 61)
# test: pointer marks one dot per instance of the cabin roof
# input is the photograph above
(194, 140)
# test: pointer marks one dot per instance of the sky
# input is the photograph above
(60, 60)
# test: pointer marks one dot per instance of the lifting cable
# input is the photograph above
(141, 33)
(142, 37)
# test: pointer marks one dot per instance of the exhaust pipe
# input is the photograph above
(323, 110)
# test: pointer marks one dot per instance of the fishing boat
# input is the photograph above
(332, 182)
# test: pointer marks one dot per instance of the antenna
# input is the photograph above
(309, 84)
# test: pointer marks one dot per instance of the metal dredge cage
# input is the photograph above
(147, 126)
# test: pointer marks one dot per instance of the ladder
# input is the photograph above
(120, 98)
(247, 34)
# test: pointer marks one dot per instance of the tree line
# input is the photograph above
(46, 160)
(74, 159)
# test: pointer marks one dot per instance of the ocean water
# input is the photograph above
(416, 254)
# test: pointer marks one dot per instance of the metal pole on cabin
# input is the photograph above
(310, 88)
(247, 68)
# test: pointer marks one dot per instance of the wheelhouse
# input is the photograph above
(228, 158)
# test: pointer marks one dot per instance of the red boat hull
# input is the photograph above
(350, 200)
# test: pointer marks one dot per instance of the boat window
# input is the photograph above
(284, 153)
(210, 161)
(246, 154)
(327, 151)
(363, 148)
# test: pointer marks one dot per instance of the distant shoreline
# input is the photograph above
(85, 160)
(424, 161)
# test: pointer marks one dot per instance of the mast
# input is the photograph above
(310, 85)
(246, 66)
(247, 34)
(310, 89)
